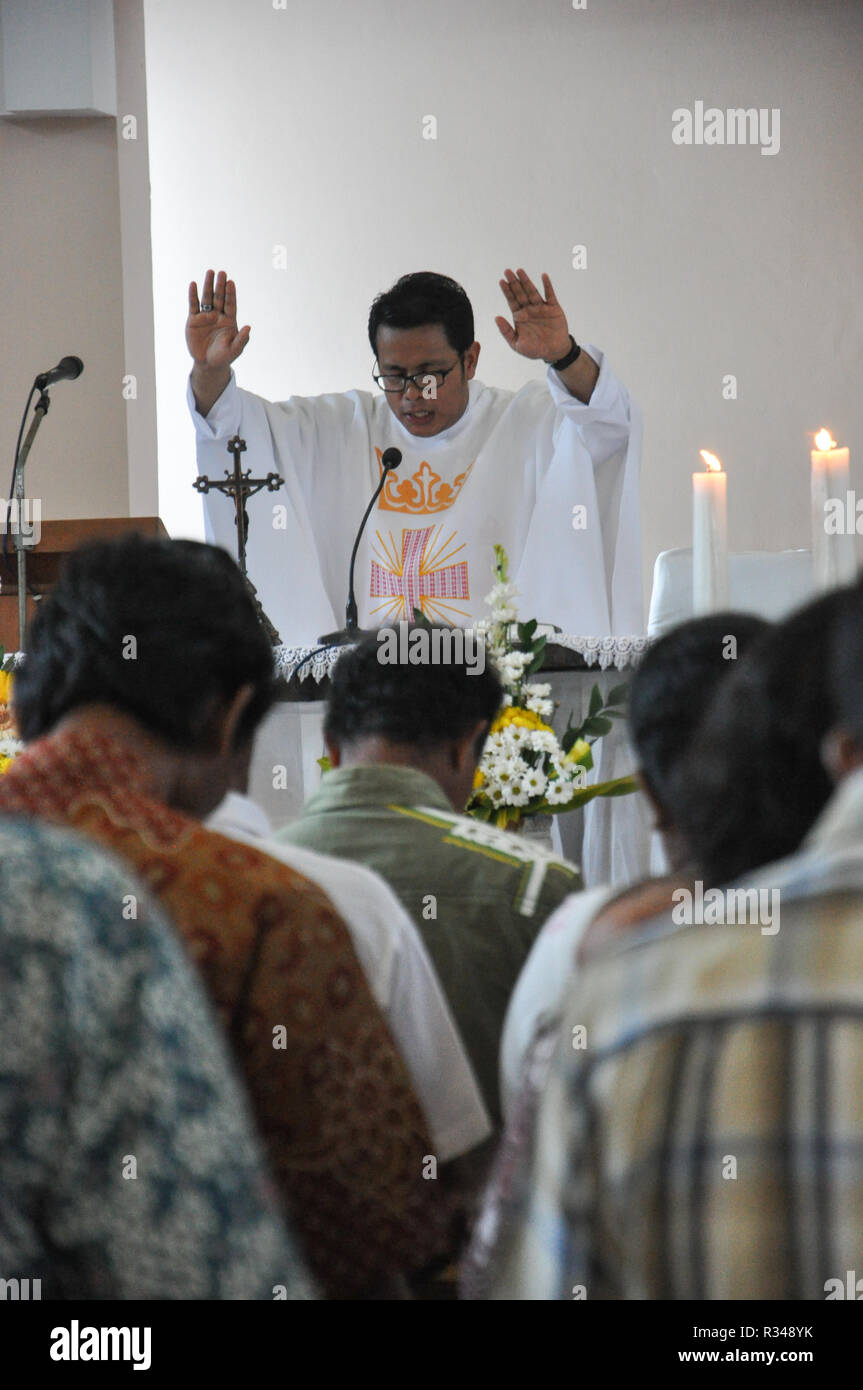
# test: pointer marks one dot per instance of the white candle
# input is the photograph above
(709, 537)
(833, 558)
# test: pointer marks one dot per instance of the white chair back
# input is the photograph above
(770, 584)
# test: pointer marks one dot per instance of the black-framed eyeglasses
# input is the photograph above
(398, 382)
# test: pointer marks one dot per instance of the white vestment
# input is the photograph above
(552, 480)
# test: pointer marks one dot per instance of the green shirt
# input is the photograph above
(478, 895)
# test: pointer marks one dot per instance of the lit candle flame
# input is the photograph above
(711, 462)
(824, 440)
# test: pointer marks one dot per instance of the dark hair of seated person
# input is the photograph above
(423, 705)
(753, 782)
(847, 664)
(673, 686)
(163, 630)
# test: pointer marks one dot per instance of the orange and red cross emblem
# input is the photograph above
(422, 576)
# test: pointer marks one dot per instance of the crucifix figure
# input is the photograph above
(241, 486)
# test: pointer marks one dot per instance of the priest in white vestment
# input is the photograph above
(550, 471)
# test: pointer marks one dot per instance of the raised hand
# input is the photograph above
(212, 336)
(539, 328)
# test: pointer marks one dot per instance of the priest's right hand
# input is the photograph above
(213, 338)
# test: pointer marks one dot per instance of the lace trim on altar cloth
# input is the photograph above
(302, 662)
(603, 652)
(318, 662)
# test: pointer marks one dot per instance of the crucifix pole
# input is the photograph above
(237, 447)
(240, 487)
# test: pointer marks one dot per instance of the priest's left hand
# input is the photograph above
(539, 328)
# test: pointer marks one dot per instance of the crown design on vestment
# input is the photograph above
(423, 493)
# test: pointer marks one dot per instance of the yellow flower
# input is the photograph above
(521, 718)
(478, 778)
(5, 687)
(578, 751)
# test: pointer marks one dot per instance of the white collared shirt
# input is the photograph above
(399, 973)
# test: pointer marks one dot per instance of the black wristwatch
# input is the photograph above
(567, 361)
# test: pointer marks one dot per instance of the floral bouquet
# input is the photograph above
(10, 744)
(525, 769)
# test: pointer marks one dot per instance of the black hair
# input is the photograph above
(753, 783)
(422, 705)
(424, 298)
(847, 664)
(163, 630)
(673, 685)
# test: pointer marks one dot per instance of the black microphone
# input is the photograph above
(66, 370)
(390, 459)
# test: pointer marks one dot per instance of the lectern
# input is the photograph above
(56, 541)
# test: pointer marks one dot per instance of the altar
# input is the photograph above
(610, 838)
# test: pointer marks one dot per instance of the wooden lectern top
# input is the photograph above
(58, 538)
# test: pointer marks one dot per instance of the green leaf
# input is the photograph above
(618, 695)
(598, 726)
(526, 631)
(620, 786)
(538, 657)
(572, 735)
(501, 564)
(595, 702)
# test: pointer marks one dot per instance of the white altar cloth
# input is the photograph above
(610, 838)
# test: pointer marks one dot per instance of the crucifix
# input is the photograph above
(241, 486)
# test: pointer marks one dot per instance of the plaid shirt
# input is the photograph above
(706, 1141)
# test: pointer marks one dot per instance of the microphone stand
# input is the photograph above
(39, 412)
(351, 632)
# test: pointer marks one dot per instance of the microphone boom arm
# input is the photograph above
(40, 410)
(351, 622)
(390, 459)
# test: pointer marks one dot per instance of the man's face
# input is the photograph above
(425, 409)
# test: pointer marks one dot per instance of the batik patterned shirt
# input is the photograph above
(345, 1136)
(129, 1167)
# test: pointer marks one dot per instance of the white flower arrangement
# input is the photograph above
(10, 747)
(525, 770)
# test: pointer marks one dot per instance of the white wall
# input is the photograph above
(75, 273)
(62, 293)
(303, 126)
(134, 186)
